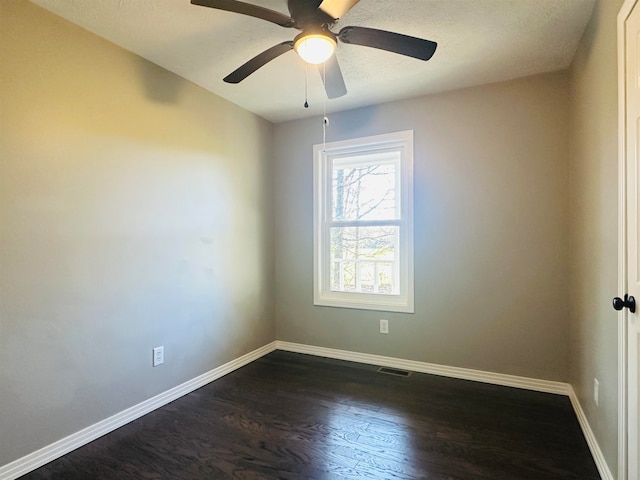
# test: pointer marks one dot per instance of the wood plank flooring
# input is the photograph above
(293, 416)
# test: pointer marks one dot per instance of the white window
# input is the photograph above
(363, 223)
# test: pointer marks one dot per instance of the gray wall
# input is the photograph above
(135, 211)
(594, 207)
(491, 231)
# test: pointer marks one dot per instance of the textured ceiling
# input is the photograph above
(479, 41)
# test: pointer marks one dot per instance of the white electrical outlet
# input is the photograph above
(158, 356)
(596, 391)
(384, 326)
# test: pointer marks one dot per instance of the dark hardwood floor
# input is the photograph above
(292, 416)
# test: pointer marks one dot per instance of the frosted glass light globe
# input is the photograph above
(315, 48)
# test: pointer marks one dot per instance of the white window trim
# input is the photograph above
(322, 295)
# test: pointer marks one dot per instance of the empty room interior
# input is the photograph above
(146, 203)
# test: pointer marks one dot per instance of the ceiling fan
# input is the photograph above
(316, 43)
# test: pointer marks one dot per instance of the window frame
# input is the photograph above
(323, 155)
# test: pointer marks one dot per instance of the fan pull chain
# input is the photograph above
(325, 122)
(306, 95)
(325, 119)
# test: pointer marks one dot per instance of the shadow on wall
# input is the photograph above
(159, 84)
(164, 87)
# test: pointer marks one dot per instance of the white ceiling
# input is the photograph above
(479, 41)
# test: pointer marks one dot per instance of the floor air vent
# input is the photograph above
(394, 371)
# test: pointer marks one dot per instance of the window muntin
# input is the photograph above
(363, 252)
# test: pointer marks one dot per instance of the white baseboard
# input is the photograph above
(435, 369)
(526, 383)
(597, 454)
(57, 449)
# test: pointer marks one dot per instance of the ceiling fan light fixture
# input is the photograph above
(315, 48)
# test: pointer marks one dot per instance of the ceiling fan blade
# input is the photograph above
(390, 41)
(332, 78)
(337, 8)
(248, 9)
(258, 61)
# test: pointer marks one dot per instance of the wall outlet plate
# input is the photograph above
(384, 326)
(596, 391)
(158, 356)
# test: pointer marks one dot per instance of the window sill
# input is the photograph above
(369, 302)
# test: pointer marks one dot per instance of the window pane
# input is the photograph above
(365, 188)
(364, 259)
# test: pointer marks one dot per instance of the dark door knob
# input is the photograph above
(629, 302)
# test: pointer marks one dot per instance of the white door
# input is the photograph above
(631, 128)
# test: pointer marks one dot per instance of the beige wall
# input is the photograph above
(594, 207)
(135, 211)
(491, 231)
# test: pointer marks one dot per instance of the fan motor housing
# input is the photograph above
(307, 14)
